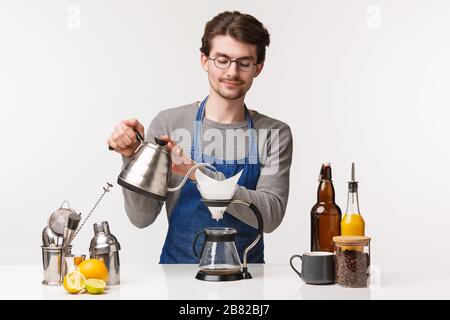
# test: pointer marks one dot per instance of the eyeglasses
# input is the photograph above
(243, 64)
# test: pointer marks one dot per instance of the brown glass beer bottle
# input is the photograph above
(325, 214)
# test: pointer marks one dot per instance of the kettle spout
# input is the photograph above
(186, 176)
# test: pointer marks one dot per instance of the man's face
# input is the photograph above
(230, 83)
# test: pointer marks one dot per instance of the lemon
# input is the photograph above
(74, 282)
(95, 286)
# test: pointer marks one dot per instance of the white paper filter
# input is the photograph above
(212, 189)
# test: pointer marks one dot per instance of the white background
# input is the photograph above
(363, 81)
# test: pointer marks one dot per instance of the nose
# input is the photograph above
(232, 69)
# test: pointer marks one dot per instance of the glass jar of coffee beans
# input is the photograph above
(352, 261)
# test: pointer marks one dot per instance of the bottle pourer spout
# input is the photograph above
(353, 184)
(353, 171)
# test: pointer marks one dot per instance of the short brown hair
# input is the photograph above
(242, 27)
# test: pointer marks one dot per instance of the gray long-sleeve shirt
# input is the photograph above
(229, 142)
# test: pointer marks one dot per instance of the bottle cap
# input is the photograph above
(325, 172)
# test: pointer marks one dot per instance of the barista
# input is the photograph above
(224, 132)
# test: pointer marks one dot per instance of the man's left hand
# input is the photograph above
(181, 162)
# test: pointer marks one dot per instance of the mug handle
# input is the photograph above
(195, 241)
(292, 266)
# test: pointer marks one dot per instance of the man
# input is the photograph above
(232, 53)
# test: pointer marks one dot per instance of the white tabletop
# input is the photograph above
(270, 281)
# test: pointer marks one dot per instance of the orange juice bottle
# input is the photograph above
(352, 224)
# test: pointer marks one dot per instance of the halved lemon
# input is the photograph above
(95, 286)
(74, 282)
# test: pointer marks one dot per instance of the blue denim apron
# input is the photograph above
(190, 215)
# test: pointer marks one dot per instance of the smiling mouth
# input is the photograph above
(232, 83)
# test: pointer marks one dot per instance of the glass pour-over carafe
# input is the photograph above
(218, 256)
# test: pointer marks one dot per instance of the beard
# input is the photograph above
(229, 93)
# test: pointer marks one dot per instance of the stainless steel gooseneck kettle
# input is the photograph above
(149, 171)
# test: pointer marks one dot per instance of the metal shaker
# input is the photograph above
(105, 246)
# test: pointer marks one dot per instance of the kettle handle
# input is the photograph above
(195, 241)
(138, 136)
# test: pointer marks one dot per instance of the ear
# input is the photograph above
(204, 61)
(259, 68)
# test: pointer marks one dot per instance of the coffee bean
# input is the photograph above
(352, 268)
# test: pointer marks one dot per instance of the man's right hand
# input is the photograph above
(123, 138)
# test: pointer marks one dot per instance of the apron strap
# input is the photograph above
(197, 149)
(198, 133)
